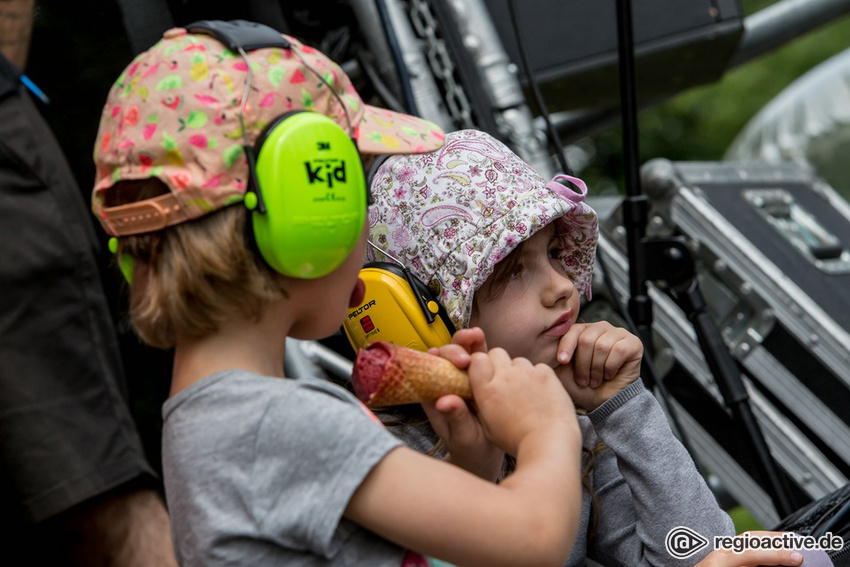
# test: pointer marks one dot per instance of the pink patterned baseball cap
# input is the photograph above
(173, 114)
(451, 215)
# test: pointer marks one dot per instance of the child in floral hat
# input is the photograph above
(261, 469)
(510, 253)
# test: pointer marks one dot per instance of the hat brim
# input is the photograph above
(384, 132)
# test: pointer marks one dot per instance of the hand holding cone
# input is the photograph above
(386, 374)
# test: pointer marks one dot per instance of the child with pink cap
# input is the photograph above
(211, 231)
(508, 253)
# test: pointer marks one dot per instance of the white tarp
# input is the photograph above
(808, 122)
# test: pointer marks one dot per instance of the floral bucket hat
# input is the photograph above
(451, 215)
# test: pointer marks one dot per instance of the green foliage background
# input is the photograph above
(701, 123)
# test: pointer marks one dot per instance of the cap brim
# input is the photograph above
(384, 132)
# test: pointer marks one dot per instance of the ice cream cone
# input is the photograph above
(386, 374)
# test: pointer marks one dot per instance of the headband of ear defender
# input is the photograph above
(307, 193)
(398, 308)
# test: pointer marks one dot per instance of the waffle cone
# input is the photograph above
(386, 374)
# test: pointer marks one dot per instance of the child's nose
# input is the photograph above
(560, 288)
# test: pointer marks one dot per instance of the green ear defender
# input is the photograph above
(308, 194)
(307, 191)
(125, 261)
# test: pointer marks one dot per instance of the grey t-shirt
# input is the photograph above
(259, 470)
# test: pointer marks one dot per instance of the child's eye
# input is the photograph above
(516, 272)
(557, 253)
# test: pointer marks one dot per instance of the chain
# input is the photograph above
(442, 66)
(515, 123)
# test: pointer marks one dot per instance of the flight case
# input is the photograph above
(771, 249)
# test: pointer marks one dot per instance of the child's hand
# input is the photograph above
(516, 399)
(455, 422)
(597, 361)
(467, 444)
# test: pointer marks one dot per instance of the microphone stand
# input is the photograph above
(671, 260)
(636, 205)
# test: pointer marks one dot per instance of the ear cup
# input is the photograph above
(125, 261)
(310, 180)
(391, 312)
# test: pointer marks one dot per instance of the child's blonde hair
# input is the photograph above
(188, 277)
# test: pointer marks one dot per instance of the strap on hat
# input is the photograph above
(564, 190)
(145, 216)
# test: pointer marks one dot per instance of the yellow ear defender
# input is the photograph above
(398, 308)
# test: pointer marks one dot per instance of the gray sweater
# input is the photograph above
(644, 483)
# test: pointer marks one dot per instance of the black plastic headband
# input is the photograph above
(243, 34)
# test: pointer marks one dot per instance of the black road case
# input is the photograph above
(771, 245)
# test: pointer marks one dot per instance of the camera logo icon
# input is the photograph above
(682, 542)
